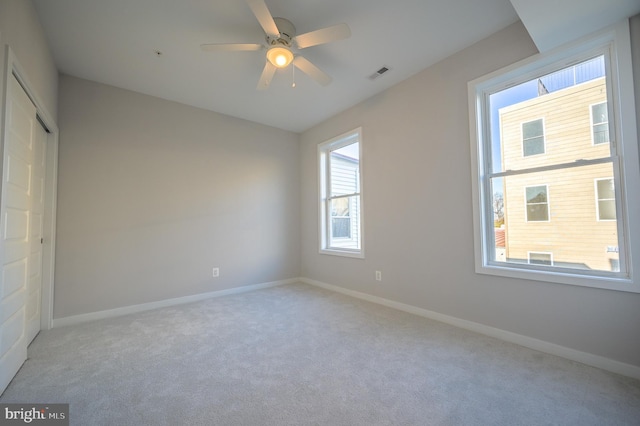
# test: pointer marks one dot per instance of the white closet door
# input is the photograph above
(36, 224)
(17, 187)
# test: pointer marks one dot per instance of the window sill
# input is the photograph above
(606, 282)
(343, 253)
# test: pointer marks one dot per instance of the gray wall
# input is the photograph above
(152, 194)
(418, 214)
(20, 28)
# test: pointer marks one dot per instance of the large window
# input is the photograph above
(341, 195)
(574, 105)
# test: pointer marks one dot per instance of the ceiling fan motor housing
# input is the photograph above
(287, 33)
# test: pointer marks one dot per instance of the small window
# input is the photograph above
(540, 258)
(600, 123)
(533, 138)
(605, 199)
(341, 195)
(537, 203)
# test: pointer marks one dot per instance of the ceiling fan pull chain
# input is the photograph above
(293, 78)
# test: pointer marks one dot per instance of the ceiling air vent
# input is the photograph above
(378, 73)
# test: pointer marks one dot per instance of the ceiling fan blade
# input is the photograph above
(324, 35)
(260, 9)
(311, 70)
(230, 47)
(267, 75)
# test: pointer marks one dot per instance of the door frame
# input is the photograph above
(13, 67)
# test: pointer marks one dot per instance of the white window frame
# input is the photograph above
(324, 228)
(544, 138)
(597, 196)
(526, 204)
(614, 43)
(593, 139)
(529, 253)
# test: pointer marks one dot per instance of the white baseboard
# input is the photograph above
(126, 310)
(529, 342)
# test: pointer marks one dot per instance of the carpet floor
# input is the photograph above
(299, 355)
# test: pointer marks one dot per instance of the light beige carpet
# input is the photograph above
(298, 355)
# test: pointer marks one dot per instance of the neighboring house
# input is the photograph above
(560, 217)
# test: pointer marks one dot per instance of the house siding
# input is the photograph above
(573, 232)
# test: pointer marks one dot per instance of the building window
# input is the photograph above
(533, 138)
(537, 203)
(341, 195)
(600, 123)
(540, 258)
(605, 199)
(582, 92)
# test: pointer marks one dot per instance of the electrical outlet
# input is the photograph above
(378, 275)
(216, 272)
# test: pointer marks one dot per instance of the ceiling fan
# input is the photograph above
(281, 39)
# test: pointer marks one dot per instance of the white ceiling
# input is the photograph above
(113, 42)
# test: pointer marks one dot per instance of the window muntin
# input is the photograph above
(605, 199)
(494, 170)
(533, 138)
(340, 195)
(537, 199)
(600, 123)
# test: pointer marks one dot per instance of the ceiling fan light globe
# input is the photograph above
(279, 56)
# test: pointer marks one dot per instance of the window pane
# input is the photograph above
(340, 207)
(569, 217)
(533, 146)
(537, 212)
(601, 133)
(551, 115)
(341, 227)
(607, 210)
(532, 129)
(345, 173)
(600, 114)
(497, 189)
(540, 258)
(536, 194)
(605, 189)
(345, 226)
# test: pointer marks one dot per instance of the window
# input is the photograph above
(533, 138)
(574, 105)
(537, 203)
(605, 199)
(600, 123)
(540, 258)
(341, 195)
